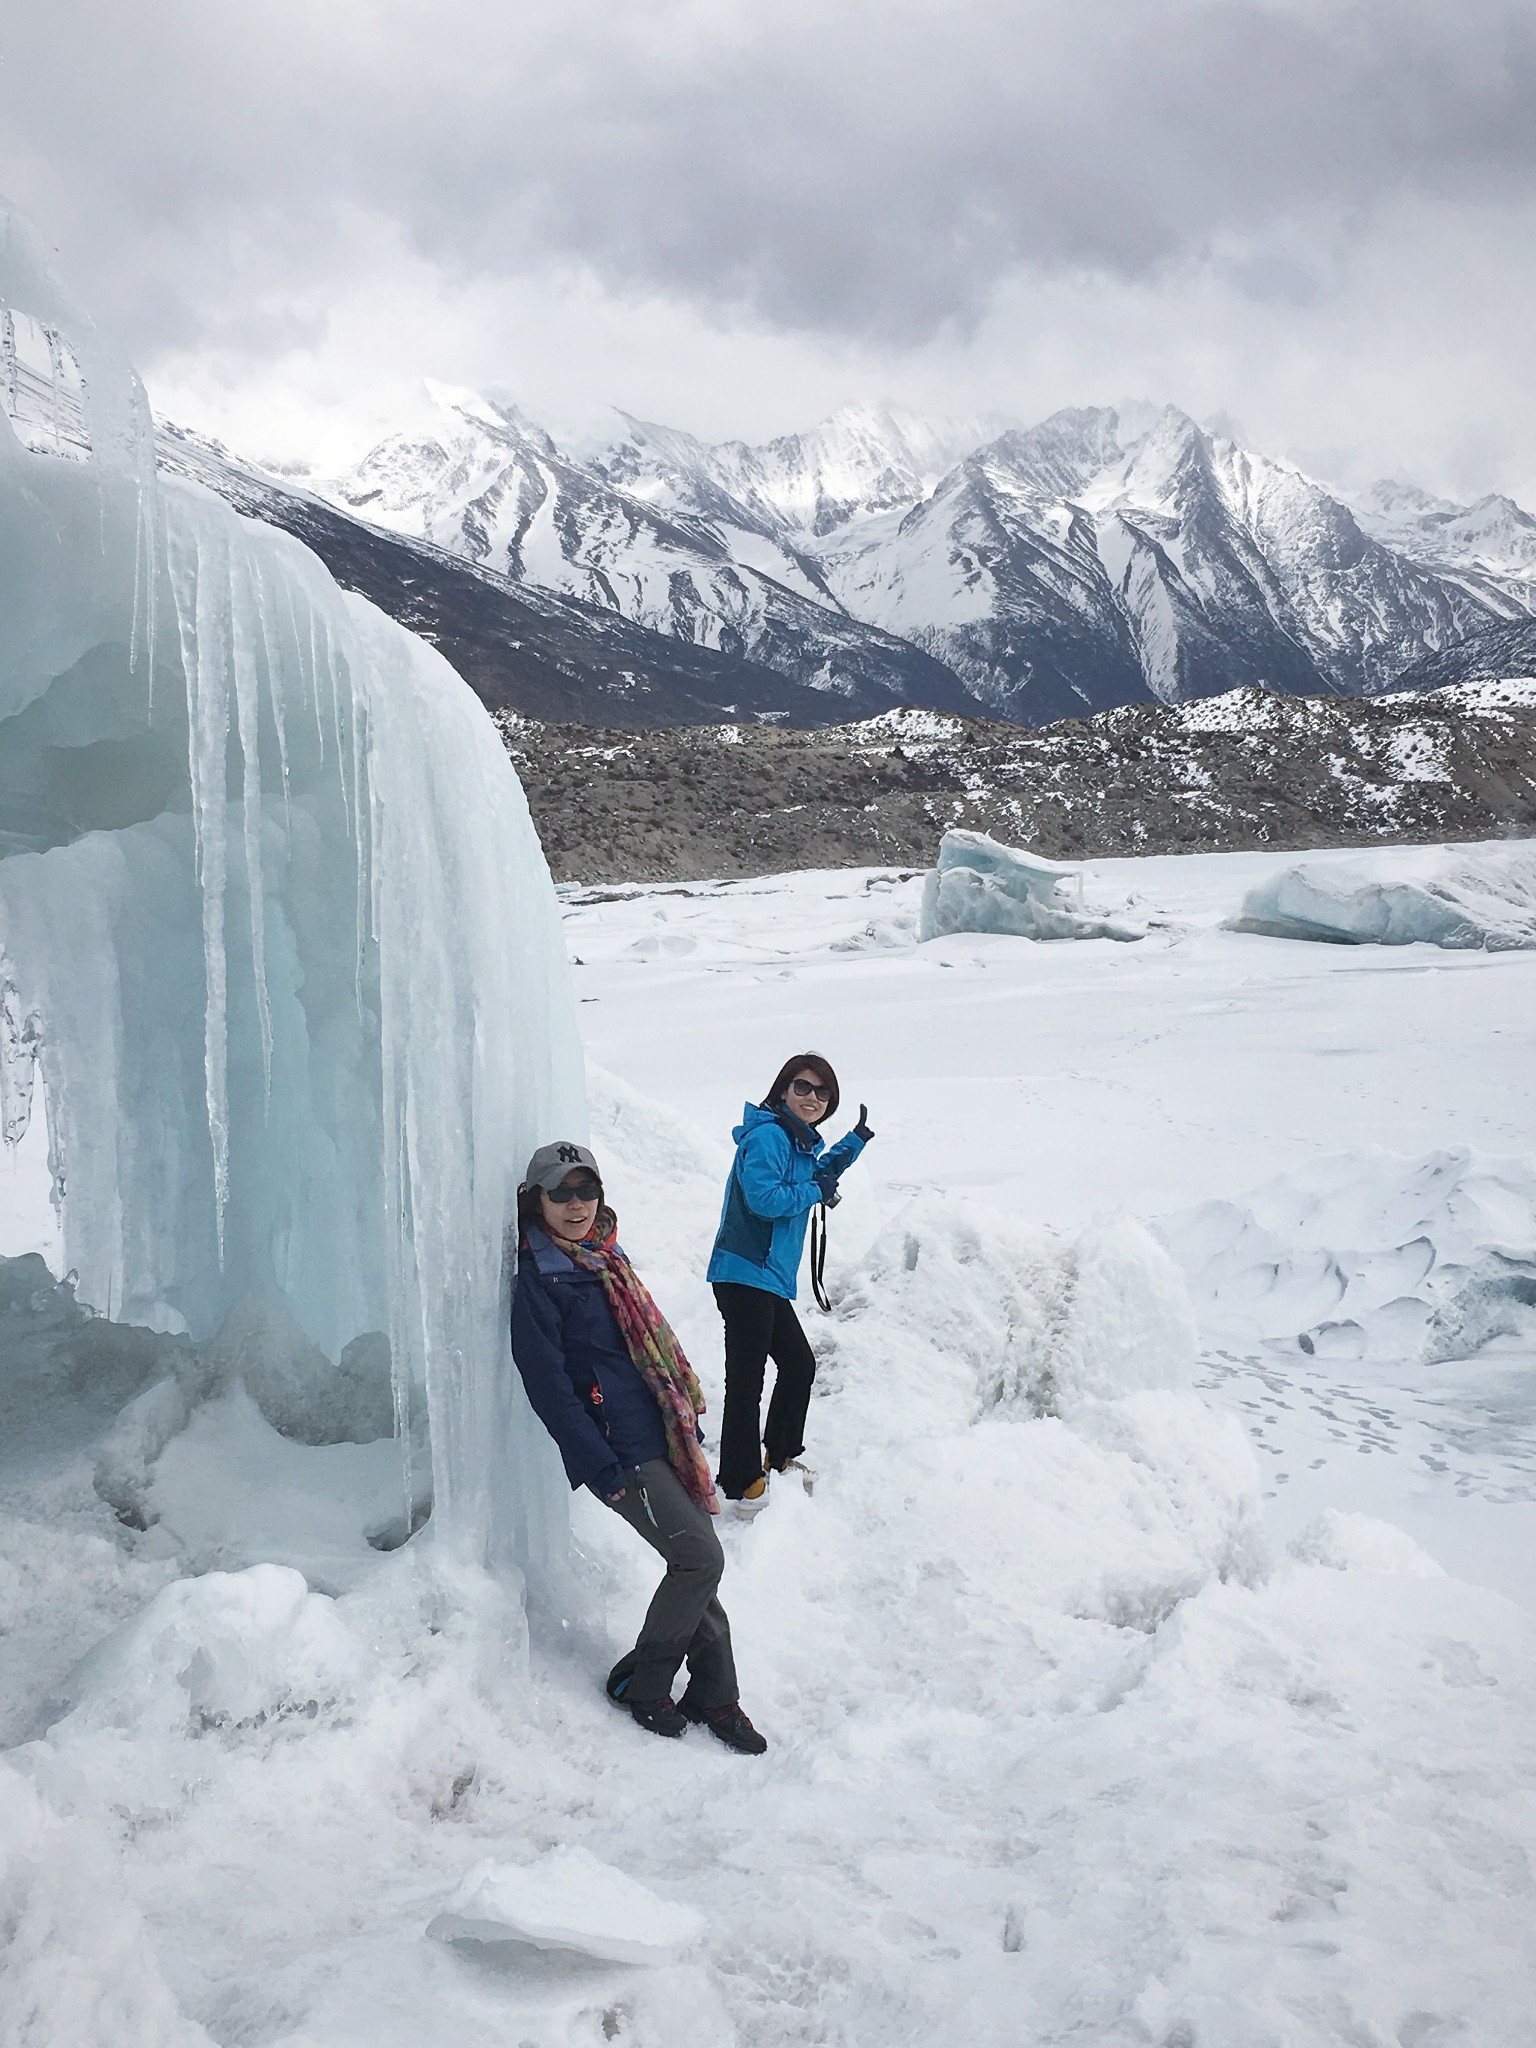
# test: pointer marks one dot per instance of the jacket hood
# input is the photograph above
(754, 1116)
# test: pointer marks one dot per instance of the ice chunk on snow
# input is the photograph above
(980, 885)
(570, 1901)
(228, 1648)
(1480, 897)
(275, 920)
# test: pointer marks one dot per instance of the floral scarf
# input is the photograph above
(658, 1357)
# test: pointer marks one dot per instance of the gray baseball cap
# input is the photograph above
(552, 1163)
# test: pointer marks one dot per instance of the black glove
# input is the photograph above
(861, 1129)
(611, 1485)
(827, 1178)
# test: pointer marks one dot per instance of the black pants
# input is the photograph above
(760, 1326)
(685, 1619)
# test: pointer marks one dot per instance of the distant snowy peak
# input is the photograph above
(654, 532)
(1493, 534)
(1062, 456)
(410, 481)
(864, 459)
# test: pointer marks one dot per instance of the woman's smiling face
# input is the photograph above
(807, 1096)
(571, 1210)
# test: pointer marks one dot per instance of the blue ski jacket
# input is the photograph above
(582, 1383)
(769, 1198)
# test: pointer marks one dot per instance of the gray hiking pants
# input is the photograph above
(684, 1619)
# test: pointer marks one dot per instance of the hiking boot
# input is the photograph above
(659, 1717)
(728, 1725)
(753, 1499)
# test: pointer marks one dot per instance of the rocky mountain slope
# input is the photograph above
(1502, 651)
(1490, 546)
(1247, 768)
(1097, 558)
(549, 656)
(494, 489)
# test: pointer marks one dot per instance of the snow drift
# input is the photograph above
(979, 885)
(1479, 897)
(273, 921)
(1378, 1256)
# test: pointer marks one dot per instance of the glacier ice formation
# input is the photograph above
(980, 885)
(1482, 898)
(274, 925)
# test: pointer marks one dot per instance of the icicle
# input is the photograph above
(362, 815)
(270, 673)
(401, 1352)
(335, 664)
(314, 677)
(207, 680)
(146, 556)
(244, 617)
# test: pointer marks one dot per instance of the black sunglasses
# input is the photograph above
(571, 1193)
(813, 1090)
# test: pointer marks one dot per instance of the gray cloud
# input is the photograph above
(872, 174)
(858, 168)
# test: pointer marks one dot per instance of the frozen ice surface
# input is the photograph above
(569, 1901)
(1483, 897)
(980, 885)
(275, 925)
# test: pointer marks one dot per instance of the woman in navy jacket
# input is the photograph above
(781, 1172)
(608, 1380)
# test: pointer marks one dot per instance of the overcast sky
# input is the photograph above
(1318, 216)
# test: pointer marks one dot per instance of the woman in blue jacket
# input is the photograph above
(608, 1379)
(780, 1174)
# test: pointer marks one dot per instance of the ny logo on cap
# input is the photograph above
(569, 1155)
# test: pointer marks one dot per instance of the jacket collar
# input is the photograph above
(546, 1254)
(799, 1134)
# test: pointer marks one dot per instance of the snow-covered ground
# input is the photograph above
(1154, 1662)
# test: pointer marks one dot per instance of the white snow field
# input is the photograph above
(1153, 1663)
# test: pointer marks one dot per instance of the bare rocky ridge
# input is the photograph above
(1246, 769)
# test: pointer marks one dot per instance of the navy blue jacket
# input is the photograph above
(583, 1384)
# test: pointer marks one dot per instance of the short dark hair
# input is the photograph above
(820, 1067)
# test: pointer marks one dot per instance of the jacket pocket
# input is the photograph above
(744, 1233)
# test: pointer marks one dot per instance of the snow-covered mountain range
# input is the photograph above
(1097, 558)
